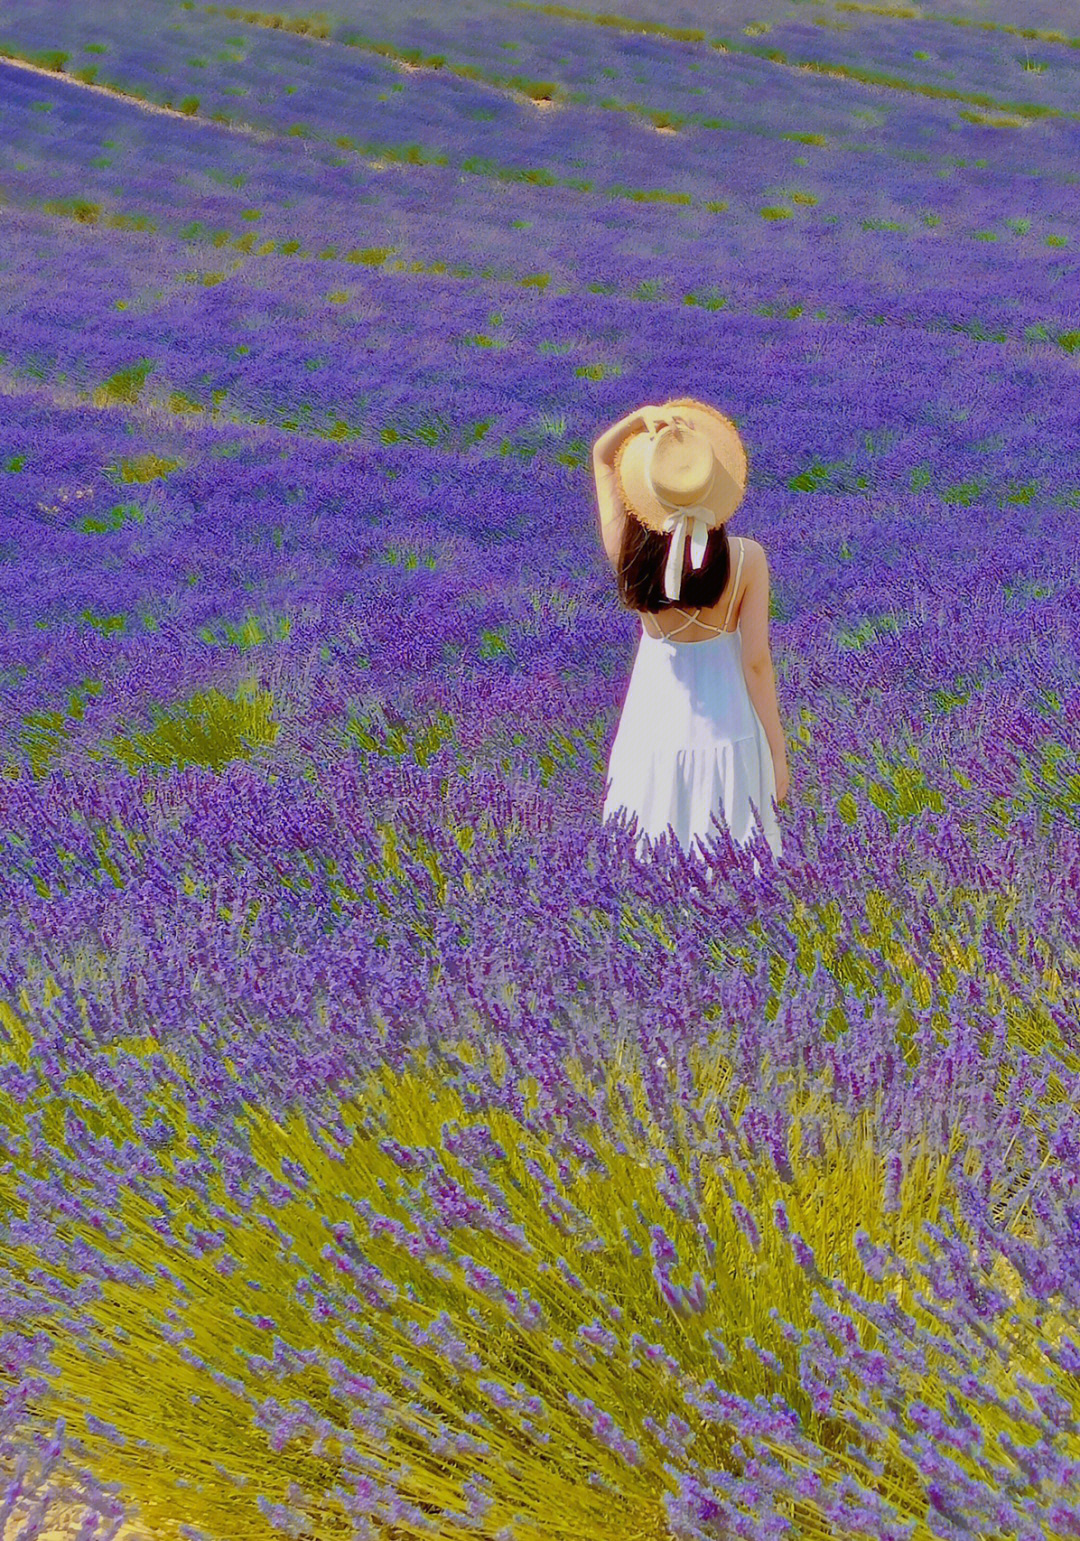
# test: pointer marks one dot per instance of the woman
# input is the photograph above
(699, 736)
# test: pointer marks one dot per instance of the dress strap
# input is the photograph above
(690, 619)
(735, 589)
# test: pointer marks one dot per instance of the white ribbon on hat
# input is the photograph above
(679, 520)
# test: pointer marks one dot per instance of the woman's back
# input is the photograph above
(724, 614)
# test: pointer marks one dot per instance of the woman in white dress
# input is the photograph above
(699, 735)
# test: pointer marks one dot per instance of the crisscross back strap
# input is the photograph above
(690, 619)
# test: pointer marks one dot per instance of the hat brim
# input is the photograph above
(729, 483)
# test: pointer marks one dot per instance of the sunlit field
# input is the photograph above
(388, 1148)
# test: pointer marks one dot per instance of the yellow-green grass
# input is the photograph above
(130, 1376)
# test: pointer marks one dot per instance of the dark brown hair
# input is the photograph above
(643, 557)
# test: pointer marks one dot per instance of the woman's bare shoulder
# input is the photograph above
(754, 553)
(755, 568)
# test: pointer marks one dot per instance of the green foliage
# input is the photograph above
(142, 468)
(1056, 795)
(964, 493)
(375, 734)
(201, 1453)
(130, 222)
(180, 403)
(208, 729)
(79, 209)
(115, 519)
(564, 749)
(46, 58)
(370, 256)
(44, 735)
(712, 300)
(108, 625)
(125, 385)
(304, 26)
(946, 701)
(868, 631)
(812, 479)
(492, 644)
(248, 634)
(903, 794)
(410, 560)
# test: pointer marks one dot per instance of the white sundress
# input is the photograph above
(689, 743)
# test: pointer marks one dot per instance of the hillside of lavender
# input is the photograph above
(388, 1148)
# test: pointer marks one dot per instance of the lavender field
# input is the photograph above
(387, 1150)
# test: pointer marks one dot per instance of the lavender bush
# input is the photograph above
(388, 1150)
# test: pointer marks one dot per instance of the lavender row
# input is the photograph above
(833, 184)
(850, 464)
(211, 54)
(318, 1022)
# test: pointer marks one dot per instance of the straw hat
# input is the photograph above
(688, 477)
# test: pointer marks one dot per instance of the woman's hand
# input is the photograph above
(649, 418)
(654, 419)
(783, 782)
